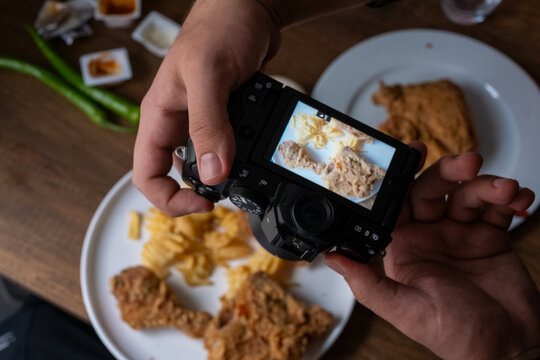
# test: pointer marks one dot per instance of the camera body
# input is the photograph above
(311, 177)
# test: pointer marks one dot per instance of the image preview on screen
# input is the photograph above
(313, 147)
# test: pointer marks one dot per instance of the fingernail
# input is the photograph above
(210, 166)
(498, 182)
(335, 265)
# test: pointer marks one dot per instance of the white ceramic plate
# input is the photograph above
(106, 251)
(503, 99)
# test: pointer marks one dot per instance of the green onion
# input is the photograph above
(112, 102)
(95, 113)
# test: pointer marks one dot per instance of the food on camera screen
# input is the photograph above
(295, 156)
(145, 301)
(195, 244)
(263, 321)
(435, 113)
(333, 155)
(349, 174)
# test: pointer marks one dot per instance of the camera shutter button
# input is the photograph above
(248, 200)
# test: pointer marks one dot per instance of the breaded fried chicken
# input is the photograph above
(145, 301)
(265, 322)
(349, 174)
(435, 113)
(295, 156)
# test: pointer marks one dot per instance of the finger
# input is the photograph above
(428, 195)
(420, 146)
(502, 215)
(384, 296)
(405, 214)
(466, 203)
(159, 132)
(209, 126)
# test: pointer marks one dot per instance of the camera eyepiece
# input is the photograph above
(312, 213)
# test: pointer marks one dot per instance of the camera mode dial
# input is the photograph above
(248, 200)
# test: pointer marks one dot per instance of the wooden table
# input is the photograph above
(55, 166)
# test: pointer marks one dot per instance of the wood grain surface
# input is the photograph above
(56, 166)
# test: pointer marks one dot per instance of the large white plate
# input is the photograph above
(503, 99)
(106, 251)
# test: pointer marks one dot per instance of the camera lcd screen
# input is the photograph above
(333, 155)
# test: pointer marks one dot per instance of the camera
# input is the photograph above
(310, 177)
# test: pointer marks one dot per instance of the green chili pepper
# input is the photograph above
(95, 114)
(112, 102)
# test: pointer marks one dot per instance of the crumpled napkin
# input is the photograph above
(65, 19)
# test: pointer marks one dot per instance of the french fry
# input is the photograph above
(235, 278)
(134, 229)
(196, 268)
(196, 243)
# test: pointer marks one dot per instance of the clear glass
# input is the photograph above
(468, 12)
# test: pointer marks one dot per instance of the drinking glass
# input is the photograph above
(468, 12)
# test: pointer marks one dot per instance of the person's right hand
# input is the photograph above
(451, 280)
(221, 44)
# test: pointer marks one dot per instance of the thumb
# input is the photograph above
(210, 129)
(391, 300)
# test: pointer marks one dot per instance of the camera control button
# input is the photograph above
(252, 98)
(258, 86)
(208, 192)
(374, 237)
(243, 173)
(248, 200)
(194, 180)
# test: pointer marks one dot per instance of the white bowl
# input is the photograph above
(156, 33)
(120, 55)
(118, 20)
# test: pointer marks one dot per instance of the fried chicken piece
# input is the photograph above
(433, 112)
(295, 156)
(349, 174)
(265, 322)
(145, 301)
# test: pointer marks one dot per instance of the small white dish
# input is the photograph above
(119, 55)
(117, 20)
(156, 33)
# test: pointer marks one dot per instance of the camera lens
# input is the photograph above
(312, 214)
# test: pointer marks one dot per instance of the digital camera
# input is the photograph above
(310, 177)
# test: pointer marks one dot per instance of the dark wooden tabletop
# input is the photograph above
(56, 166)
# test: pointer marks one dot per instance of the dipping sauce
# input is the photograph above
(160, 37)
(103, 65)
(116, 7)
(109, 67)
